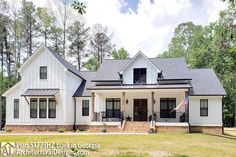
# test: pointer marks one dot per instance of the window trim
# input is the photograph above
(49, 116)
(85, 109)
(202, 115)
(41, 76)
(18, 108)
(173, 113)
(113, 100)
(139, 76)
(43, 109)
(36, 108)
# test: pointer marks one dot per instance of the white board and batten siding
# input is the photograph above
(214, 117)
(82, 120)
(57, 77)
(140, 62)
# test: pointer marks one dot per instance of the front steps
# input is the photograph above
(136, 127)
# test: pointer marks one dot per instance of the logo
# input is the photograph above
(7, 148)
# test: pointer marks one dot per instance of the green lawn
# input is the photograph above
(161, 144)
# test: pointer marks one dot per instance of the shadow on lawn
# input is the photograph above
(225, 135)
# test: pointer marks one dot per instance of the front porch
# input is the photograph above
(139, 105)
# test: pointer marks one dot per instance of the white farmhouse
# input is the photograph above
(130, 95)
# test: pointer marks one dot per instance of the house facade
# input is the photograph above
(130, 95)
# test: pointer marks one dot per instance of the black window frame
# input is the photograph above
(52, 112)
(168, 111)
(113, 111)
(16, 108)
(33, 111)
(42, 110)
(140, 75)
(203, 109)
(42, 72)
(85, 107)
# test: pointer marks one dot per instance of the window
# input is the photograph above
(85, 107)
(43, 72)
(42, 108)
(140, 75)
(16, 108)
(113, 108)
(33, 107)
(203, 107)
(166, 107)
(51, 108)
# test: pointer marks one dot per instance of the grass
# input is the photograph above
(160, 144)
(230, 131)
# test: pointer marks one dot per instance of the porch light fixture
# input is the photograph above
(127, 101)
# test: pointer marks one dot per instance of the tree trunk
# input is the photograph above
(30, 39)
(1, 87)
(8, 57)
(79, 60)
(45, 38)
(1, 110)
(64, 31)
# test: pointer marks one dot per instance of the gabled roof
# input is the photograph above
(64, 62)
(205, 82)
(133, 59)
(82, 89)
(13, 87)
(172, 68)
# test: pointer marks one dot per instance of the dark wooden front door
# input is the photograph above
(140, 109)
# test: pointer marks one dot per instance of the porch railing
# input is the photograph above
(102, 117)
(170, 117)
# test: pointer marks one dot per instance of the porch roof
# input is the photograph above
(151, 86)
(41, 92)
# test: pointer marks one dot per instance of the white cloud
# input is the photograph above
(151, 26)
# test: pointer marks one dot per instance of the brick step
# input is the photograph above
(139, 127)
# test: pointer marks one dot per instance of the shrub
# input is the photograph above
(61, 130)
(151, 131)
(103, 130)
(8, 130)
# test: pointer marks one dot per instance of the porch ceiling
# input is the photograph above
(134, 87)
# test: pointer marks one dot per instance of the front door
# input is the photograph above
(140, 109)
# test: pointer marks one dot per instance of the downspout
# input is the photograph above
(74, 114)
(223, 115)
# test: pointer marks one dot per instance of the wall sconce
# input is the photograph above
(154, 101)
(127, 101)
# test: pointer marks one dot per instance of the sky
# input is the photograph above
(147, 25)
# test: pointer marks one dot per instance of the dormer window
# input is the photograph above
(140, 75)
(43, 72)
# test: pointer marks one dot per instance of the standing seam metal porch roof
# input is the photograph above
(41, 92)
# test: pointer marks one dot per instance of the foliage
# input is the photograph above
(120, 53)
(79, 6)
(212, 46)
(78, 36)
(91, 64)
(46, 22)
(61, 130)
(100, 43)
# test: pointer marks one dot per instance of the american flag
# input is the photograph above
(183, 103)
